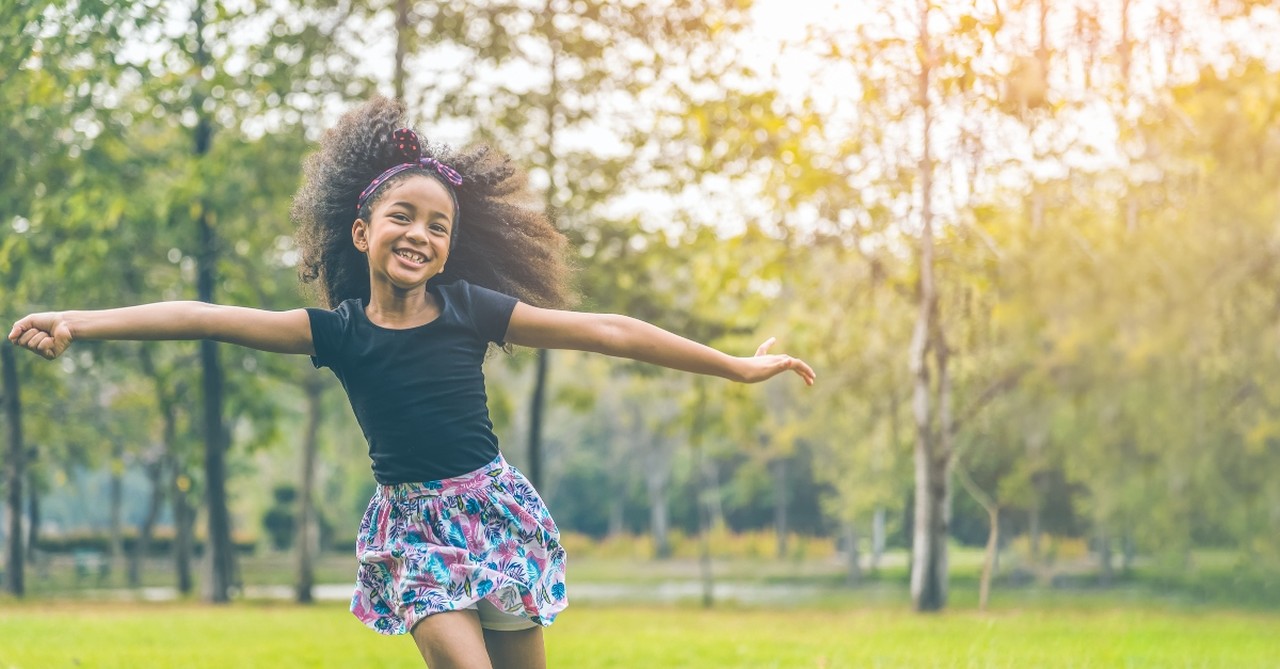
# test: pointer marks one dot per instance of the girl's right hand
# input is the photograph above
(45, 334)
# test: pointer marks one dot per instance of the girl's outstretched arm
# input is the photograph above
(628, 337)
(49, 334)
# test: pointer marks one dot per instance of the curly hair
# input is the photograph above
(504, 239)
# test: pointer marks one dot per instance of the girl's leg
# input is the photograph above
(516, 650)
(452, 640)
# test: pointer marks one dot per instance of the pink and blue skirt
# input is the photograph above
(444, 545)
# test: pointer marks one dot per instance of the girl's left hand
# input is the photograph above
(764, 366)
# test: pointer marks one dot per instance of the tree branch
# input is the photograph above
(1000, 386)
(966, 482)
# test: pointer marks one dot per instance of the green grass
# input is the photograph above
(1051, 633)
(1219, 615)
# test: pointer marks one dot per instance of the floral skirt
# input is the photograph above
(444, 545)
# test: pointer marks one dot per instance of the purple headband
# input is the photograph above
(410, 149)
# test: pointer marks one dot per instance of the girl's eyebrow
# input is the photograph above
(412, 209)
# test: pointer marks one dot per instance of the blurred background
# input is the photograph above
(1030, 247)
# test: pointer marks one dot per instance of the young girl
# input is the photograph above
(425, 257)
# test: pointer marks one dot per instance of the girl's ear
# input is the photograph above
(360, 235)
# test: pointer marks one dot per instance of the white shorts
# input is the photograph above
(497, 620)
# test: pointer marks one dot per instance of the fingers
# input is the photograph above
(18, 328)
(800, 367)
(32, 340)
(26, 338)
(26, 334)
(784, 362)
(803, 369)
(46, 347)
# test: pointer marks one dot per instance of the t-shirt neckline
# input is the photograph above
(439, 295)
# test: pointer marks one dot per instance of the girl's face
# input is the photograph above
(407, 236)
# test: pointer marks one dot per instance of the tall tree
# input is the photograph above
(221, 557)
(250, 95)
(48, 51)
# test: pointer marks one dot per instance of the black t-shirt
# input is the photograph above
(418, 393)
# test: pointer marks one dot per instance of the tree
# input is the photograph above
(222, 91)
(48, 51)
(14, 580)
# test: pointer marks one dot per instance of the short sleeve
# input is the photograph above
(488, 310)
(328, 332)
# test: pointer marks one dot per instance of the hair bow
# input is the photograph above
(410, 149)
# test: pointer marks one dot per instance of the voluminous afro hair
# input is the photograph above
(503, 238)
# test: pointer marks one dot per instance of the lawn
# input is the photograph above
(280, 636)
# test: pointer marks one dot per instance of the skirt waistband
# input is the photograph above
(472, 481)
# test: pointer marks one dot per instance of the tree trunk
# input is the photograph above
(932, 506)
(183, 529)
(658, 516)
(1033, 531)
(706, 488)
(142, 547)
(33, 519)
(115, 501)
(617, 520)
(992, 508)
(780, 495)
(306, 510)
(1128, 551)
(1106, 573)
(169, 465)
(179, 489)
(878, 534)
(704, 553)
(1035, 442)
(656, 487)
(618, 472)
(854, 574)
(715, 506)
(14, 566)
(403, 26)
(932, 452)
(877, 538)
(989, 559)
(537, 408)
(221, 556)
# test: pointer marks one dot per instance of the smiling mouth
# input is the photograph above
(416, 258)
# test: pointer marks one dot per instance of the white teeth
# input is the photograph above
(411, 256)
